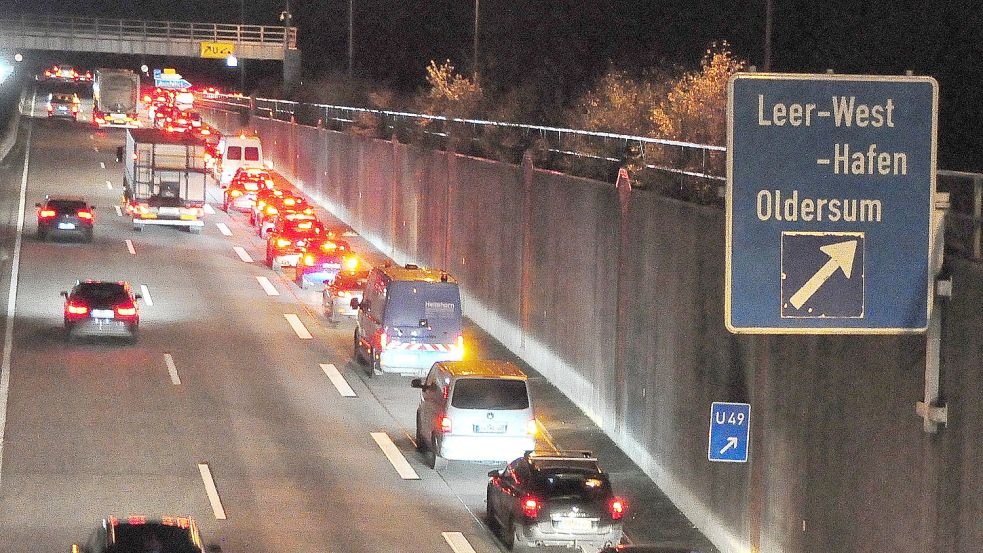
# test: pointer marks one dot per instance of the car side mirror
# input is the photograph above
(138, 296)
(494, 473)
(63, 294)
(37, 205)
(213, 548)
(356, 304)
(416, 383)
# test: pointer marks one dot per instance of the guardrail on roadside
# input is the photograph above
(964, 223)
(136, 29)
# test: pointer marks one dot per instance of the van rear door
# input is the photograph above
(420, 312)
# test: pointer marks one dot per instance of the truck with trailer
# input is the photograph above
(115, 98)
(164, 179)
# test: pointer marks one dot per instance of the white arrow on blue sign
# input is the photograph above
(730, 429)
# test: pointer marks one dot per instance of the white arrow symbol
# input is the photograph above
(731, 444)
(841, 256)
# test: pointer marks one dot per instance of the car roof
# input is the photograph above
(63, 198)
(414, 273)
(483, 368)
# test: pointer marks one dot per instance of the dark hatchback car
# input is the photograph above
(554, 499)
(138, 534)
(336, 298)
(65, 216)
(102, 308)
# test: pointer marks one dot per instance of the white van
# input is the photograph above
(237, 151)
(474, 411)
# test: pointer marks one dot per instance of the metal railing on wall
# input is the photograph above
(137, 29)
(964, 223)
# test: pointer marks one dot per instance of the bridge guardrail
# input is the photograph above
(964, 223)
(136, 29)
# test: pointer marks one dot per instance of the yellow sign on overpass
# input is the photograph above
(217, 50)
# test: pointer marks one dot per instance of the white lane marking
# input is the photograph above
(119, 212)
(243, 255)
(209, 209)
(102, 164)
(129, 247)
(91, 136)
(172, 369)
(224, 229)
(146, 295)
(298, 326)
(457, 541)
(8, 335)
(94, 149)
(267, 285)
(109, 185)
(339, 381)
(396, 458)
(213, 498)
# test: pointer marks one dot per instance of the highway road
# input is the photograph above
(223, 410)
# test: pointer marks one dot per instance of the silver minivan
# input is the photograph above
(474, 411)
(408, 319)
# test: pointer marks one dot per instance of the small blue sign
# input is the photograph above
(830, 198)
(175, 84)
(730, 429)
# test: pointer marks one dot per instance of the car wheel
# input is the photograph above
(356, 350)
(88, 237)
(42, 236)
(252, 219)
(421, 445)
(194, 230)
(269, 259)
(376, 364)
(489, 515)
(225, 207)
(434, 460)
(508, 535)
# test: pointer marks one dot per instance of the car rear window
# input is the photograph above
(490, 393)
(102, 291)
(411, 301)
(251, 186)
(575, 484)
(252, 153)
(65, 206)
(234, 153)
(141, 538)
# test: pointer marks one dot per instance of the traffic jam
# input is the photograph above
(406, 320)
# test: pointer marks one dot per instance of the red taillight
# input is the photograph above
(617, 508)
(445, 424)
(137, 520)
(75, 109)
(309, 260)
(531, 506)
(75, 309)
(445, 391)
(84, 214)
(51, 109)
(126, 311)
(235, 193)
(282, 242)
(47, 213)
(383, 339)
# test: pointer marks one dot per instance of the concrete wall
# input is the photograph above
(623, 311)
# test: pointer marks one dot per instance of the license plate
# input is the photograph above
(572, 524)
(490, 428)
(331, 265)
(66, 226)
(62, 108)
(102, 313)
(169, 211)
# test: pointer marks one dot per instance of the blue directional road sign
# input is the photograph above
(830, 197)
(730, 429)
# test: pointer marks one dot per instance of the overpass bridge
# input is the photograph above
(154, 38)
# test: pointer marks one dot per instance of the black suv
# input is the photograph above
(139, 534)
(65, 215)
(554, 499)
(102, 308)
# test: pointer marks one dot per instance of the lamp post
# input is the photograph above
(242, 62)
(351, 29)
(475, 61)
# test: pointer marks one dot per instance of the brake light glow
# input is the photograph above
(445, 424)
(309, 260)
(383, 339)
(84, 214)
(617, 508)
(351, 263)
(460, 342)
(270, 210)
(47, 213)
(282, 242)
(531, 428)
(531, 506)
(235, 193)
(76, 309)
(137, 520)
(50, 108)
(126, 311)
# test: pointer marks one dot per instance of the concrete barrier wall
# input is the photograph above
(632, 331)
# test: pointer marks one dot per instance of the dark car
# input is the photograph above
(102, 308)
(336, 298)
(554, 499)
(138, 534)
(65, 215)
(63, 105)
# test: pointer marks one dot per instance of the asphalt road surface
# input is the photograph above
(222, 411)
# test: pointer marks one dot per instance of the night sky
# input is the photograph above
(558, 48)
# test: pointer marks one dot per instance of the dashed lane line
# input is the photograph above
(396, 458)
(338, 380)
(224, 229)
(457, 541)
(212, 491)
(119, 212)
(172, 369)
(145, 291)
(109, 185)
(102, 164)
(298, 326)
(209, 209)
(129, 247)
(242, 253)
(267, 286)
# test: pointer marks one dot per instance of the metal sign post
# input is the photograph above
(830, 201)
